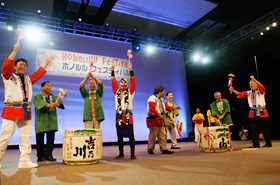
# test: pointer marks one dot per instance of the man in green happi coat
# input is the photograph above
(46, 120)
(221, 110)
(93, 111)
(170, 116)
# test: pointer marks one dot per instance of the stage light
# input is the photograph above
(33, 33)
(205, 60)
(150, 48)
(2, 4)
(11, 24)
(261, 33)
(10, 28)
(107, 24)
(80, 19)
(134, 30)
(196, 57)
(274, 24)
(267, 28)
(135, 45)
(39, 11)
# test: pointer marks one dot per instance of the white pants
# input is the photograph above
(92, 124)
(197, 133)
(8, 129)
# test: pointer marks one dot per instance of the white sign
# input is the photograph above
(74, 64)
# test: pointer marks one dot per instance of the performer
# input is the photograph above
(198, 120)
(123, 102)
(258, 115)
(18, 94)
(93, 111)
(211, 120)
(46, 120)
(221, 110)
(243, 134)
(155, 120)
(170, 116)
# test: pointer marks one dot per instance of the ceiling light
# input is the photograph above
(134, 30)
(10, 28)
(261, 33)
(2, 4)
(39, 11)
(267, 28)
(80, 19)
(274, 24)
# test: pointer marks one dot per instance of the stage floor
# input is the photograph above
(186, 166)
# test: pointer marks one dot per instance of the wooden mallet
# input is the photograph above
(230, 79)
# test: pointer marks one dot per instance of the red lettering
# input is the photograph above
(64, 56)
(69, 56)
(125, 64)
(103, 61)
(80, 59)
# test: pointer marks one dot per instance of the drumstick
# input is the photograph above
(19, 34)
(129, 55)
(91, 66)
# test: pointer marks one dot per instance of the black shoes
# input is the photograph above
(253, 146)
(176, 147)
(150, 152)
(167, 152)
(266, 145)
(49, 158)
(119, 156)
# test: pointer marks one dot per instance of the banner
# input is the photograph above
(75, 64)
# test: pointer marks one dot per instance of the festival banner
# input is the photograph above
(75, 64)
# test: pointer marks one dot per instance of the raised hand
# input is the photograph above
(113, 68)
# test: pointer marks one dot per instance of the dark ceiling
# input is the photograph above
(227, 17)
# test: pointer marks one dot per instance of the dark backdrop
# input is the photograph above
(204, 80)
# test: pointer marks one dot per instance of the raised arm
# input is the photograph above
(113, 80)
(8, 65)
(83, 83)
(132, 80)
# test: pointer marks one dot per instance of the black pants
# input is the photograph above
(41, 152)
(131, 143)
(257, 125)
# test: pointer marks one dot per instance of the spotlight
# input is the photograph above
(107, 24)
(274, 24)
(261, 33)
(80, 19)
(39, 11)
(134, 30)
(267, 28)
(135, 45)
(196, 57)
(33, 33)
(2, 4)
(10, 28)
(150, 48)
(205, 60)
(11, 24)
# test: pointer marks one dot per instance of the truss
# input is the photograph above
(247, 31)
(78, 28)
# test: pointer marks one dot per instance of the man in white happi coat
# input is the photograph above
(18, 94)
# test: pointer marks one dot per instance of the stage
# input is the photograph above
(186, 166)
